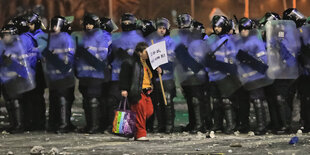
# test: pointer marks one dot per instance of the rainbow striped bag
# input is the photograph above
(124, 123)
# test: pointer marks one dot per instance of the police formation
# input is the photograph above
(220, 74)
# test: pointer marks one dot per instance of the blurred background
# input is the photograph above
(201, 10)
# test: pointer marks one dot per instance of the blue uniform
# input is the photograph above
(62, 47)
(224, 54)
(29, 46)
(255, 48)
(34, 36)
(97, 44)
(127, 42)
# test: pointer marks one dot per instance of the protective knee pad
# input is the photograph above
(227, 103)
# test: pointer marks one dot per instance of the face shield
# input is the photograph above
(57, 24)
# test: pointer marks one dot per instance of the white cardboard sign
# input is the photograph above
(157, 54)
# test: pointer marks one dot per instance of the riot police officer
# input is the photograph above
(92, 69)
(221, 95)
(253, 62)
(31, 105)
(283, 69)
(193, 76)
(17, 74)
(269, 92)
(304, 79)
(301, 83)
(165, 114)
(58, 52)
(35, 101)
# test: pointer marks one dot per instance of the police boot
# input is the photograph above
(274, 124)
(53, 117)
(17, 124)
(94, 116)
(197, 116)
(229, 116)
(191, 119)
(39, 119)
(260, 117)
(64, 126)
(207, 114)
(161, 118)
(169, 111)
(283, 115)
(305, 115)
(72, 127)
(28, 114)
(86, 107)
(217, 115)
(243, 125)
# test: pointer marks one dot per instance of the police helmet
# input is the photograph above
(221, 21)
(184, 20)
(9, 29)
(34, 18)
(128, 22)
(91, 19)
(108, 24)
(146, 26)
(59, 22)
(268, 17)
(163, 22)
(21, 24)
(245, 24)
(294, 15)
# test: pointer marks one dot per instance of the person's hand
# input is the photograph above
(159, 70)
(124, 93)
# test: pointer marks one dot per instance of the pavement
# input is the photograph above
(44, 143)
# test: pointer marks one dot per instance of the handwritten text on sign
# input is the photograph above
(157, 54)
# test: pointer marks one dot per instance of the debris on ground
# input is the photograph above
(235, 145)
(37, 150)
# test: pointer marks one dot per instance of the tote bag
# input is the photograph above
(124, 123)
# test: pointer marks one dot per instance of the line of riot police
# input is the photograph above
(220, 74)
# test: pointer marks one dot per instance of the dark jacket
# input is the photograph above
(131, 78)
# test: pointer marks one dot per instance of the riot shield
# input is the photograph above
(283, 45)
(251, 60)
(219, 59)
(57, 61)
(126, 41)
(17, 75)
(189, 71)
(123, 46)
(185, 36)
(91, 51)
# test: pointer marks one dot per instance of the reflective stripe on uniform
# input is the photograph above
(97, 48)
(62, 50)
(116, 70)
(246, 75)
(23, 56)
(259, 54)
